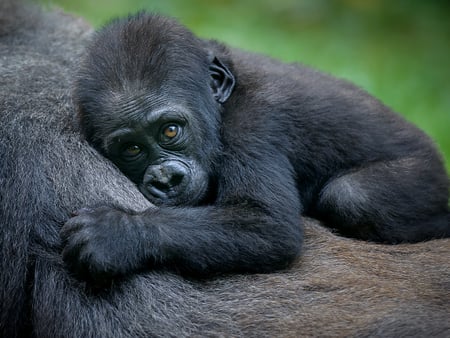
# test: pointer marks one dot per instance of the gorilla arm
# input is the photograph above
(253, 227)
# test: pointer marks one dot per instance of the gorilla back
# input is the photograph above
(338, 287)
(234, 147)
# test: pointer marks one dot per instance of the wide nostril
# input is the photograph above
(176, 179)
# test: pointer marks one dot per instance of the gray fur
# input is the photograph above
(340, 287)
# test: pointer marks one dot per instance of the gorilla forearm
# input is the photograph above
(196, 241)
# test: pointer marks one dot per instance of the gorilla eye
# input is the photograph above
(132, 150)
(170, 131)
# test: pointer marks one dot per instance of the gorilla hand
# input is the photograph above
(102, 243)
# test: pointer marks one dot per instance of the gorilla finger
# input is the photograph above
(74, 238)
(70, 227)
(82, 211)
(74, 246)
(76, 224)
(75, 262)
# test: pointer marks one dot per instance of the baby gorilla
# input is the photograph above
(233, 147)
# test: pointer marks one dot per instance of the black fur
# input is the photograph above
(288, 140)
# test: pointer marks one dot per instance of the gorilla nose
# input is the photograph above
(163, 179)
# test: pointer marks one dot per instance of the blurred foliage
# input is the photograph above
(397, 50)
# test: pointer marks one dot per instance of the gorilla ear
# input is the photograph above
(222, 80)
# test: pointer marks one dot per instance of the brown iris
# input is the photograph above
(171, 131)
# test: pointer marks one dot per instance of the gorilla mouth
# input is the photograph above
(166, 187)
(165, 191)
(157, 192)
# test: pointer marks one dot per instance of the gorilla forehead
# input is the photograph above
(140, 111)
(141, 115)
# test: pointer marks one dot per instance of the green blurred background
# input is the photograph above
(397, 50)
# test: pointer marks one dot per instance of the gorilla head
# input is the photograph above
(155, 112)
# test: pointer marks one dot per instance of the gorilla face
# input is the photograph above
(155, 112)
(162, 136)
(158, 153)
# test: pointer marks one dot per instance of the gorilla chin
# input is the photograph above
(174, 182)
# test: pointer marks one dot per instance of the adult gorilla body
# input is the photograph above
(339, 287)
(235, 146)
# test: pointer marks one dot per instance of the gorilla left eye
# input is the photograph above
(170, 131)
